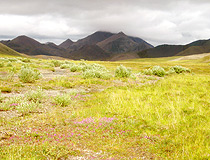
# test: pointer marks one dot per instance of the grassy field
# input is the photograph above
(60, 109)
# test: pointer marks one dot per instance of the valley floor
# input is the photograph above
(66, 115)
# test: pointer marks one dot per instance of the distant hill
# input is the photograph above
(196, 47)
(66, 44)
(4, 50)
(29, 46)
(121, 43)
(90, 52)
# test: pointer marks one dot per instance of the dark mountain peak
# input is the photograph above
(66, 44)
(121, 34)
(51, 44)
(91, 39)
(24, 40)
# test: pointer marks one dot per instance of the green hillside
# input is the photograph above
(4, 50)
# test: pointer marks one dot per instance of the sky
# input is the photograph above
(156, 21)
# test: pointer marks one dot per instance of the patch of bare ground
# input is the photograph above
(191, 57)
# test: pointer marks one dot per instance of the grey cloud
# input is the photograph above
(161, 21)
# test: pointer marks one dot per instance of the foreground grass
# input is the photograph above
(171, 117)
(116, 118)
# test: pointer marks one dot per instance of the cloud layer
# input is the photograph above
(158, 22)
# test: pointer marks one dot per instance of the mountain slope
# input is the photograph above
(90, 40)
(89, 52)
(4, 50)
(121, 43)
(66, 44)
(161, 51)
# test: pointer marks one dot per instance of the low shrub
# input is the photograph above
(178, 69)
(56, 63)
(26, 107)
(35, 95)
(6, 89)
(156, 70)
(29, 75)
(62, 100)
(94, 73)
(9, 64)
(122, 72)
(75, 68)
(12, 59)
(26, 60)
(148, 72)
(1, 64)
(65, 66)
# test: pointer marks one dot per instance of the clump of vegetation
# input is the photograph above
(56, 63)
(35, 96)
(94, 73)
(156, 70)
(1, 64)
(26, 60)
(9, 64)
(65, 66)
(26, 107)
(122, 72)
(178, 69)
(29, 75)
(62, 100)
(12, 59)
(6, 89)
(75, 68)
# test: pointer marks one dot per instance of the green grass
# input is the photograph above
(70, 116)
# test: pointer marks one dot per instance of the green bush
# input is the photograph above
(62, 100)
(148, 72)
(6, 89)
(12, 59)
(29, 75)
(26, 60)
(1, 64)
(156, 70)
(35, 96)
(94, 73)
(178, 69)
(75, 68)
(56, 63)
(122, 72)
(65, 66)
(9, 64)
(26, 107)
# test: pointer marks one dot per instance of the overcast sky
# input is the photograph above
(156, 21)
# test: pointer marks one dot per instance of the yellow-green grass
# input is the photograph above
(116, 118)
(6, 51)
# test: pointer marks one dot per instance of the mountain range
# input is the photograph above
(97, 46)
(104, 46)
(196, 47)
